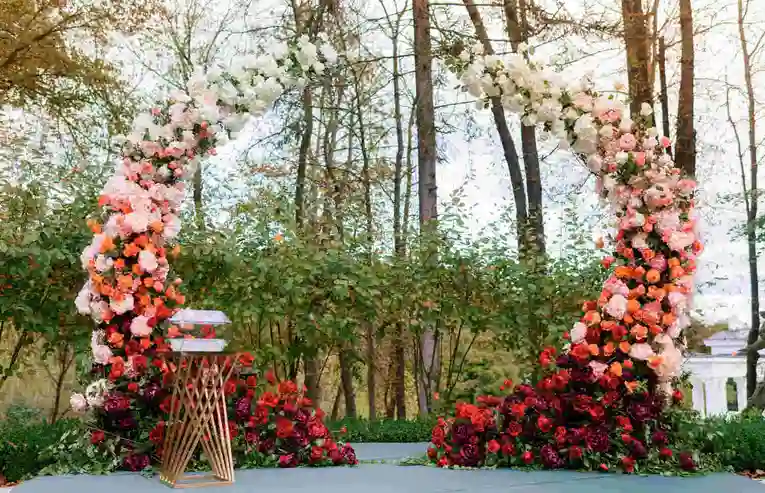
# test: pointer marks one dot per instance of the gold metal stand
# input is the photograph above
(198, 414)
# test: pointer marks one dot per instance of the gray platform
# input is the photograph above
(391, 478)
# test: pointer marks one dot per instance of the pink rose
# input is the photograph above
(627, 142)
(598, 368)
(639, 158)
(665, 142)
(659, 262)
(641, 351)
(140, 326)
(686, 186)
(679, 240)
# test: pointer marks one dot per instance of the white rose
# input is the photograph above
(646, 109)
(121, 306)
(147, 261)
(579, 332)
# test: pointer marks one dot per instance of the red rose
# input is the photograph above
(288, 460)
(157, 433)
(442, 462)
(665, 453)
(603, 468)
(133, 387)
(97, 436)
(284, 427)
(432, 453)
(626, 438)
(686, 461)
(317, 429)
(246, 359)
(624, 422)
(233, 430)
(527, 457)
(287, 387)
(229, 387)
(270, 377)
(628, 464)
(437, 436)
(518, 409)
(268, 399)
(677, 396)
(317, 453)
(514, 429)
(260, 416)
(508, 449)
(575, 452)
(493, 446)
(560, 435)
(544, 423)
(252, 381)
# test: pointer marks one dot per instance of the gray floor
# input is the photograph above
(390, 478)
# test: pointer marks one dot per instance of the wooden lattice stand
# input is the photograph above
(198, 414)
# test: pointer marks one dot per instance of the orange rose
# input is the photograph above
(616, 369)
(623, 272)
(639, 332)
(653, 276)
(107, 245)
(624, 347)
(633, 306)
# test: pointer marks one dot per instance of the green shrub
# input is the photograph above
(385, 430)
(23, 438)
(739, 442)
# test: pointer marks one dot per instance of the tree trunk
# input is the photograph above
(335, 414)
(663, 96)
(685, 147)
(311, 368)
(517, 28)
(199, 215)
(346, 380)
(635, 41)
(426, 160)
(305, 146)
(751, 231)
(503, 131)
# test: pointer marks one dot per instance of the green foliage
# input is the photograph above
(385, 430)
(739, 441)
(23, 438)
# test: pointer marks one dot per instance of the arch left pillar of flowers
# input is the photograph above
(130, 291)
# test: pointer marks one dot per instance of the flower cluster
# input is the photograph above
(570, 420)
(130, 292)
(621, 357)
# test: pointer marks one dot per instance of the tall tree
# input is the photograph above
(685, 147)
(636, 42)
(426, 166)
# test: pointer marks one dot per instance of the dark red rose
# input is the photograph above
(462, 432)
(284, 427)
(151, 392)
(242, 408)
(514, 429)
(686, 461)
(302, 416)
(97, 436)
(638, 449)
(336, 456)
(677, 396)
(136, 462)
(266, 446)
(493, 446)
(544, 423)
(508, 449)
(560, 435)
(665, 453)
(628, 464)
(268, 399)
(640, 411)
(288, 460)
(575, 453)
(659, 438)
(233, 429)
(597, 440)
(470, 455)
(250, 436)
(349, 455)
(230, 386)
(597, 412)
(577, 435)
(527, 457)
(625, 423)
(127, 423)
(437, 436)
(252, 381)
(550, 458)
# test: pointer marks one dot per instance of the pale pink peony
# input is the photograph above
(137, 222)
(101, 354)
(616, 286)
(639, 241)
(627, 142)
(617, 306)
(78, 402)
(641, 351)
(148, 261)
(679, 240)
(140, 326)
(686, 186)
(579, 332)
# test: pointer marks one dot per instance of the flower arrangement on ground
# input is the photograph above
(603, 400)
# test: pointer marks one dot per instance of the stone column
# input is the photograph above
(717, 402)
(697, 396)
(740, 392)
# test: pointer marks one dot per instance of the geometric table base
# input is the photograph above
(198, 415)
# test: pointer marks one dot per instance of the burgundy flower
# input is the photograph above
(250, 436)
(266, 446)
(550, 458)
(659, 438)
(597, 440)
(136, 462)
(349, 454)
(336, 456)
(242, 408)
(470, 455)
(462, 432)
(640, 411)
(302, 416)
(127, 423)
(686, 461)
(638, 449)
(116, 403)
(575, 453)
(317, 429)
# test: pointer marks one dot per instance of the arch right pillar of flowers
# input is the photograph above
(603, 399)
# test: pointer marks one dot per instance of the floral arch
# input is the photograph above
(612, 374)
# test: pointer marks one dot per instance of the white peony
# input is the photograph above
(137, 221)
(641, 351)
(579, 332)
(82, 302)
(617, 306)
(123, 305)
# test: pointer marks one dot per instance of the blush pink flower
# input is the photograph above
(627, 142)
